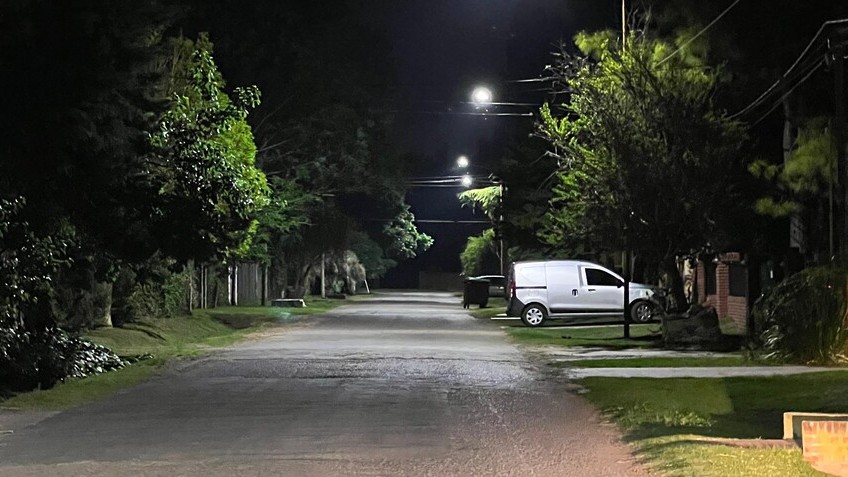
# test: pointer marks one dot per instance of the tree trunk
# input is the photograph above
(102, 299)
(668, 266)
(279, 276)
(190, 286)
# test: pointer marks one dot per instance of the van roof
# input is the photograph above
(570, 262)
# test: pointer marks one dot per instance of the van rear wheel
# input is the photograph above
(534, 315)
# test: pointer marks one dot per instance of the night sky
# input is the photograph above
(442, 50)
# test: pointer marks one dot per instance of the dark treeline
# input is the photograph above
(147, 148)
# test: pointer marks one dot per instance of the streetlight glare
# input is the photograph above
(462, 161)
(481, 95)
(467, 180)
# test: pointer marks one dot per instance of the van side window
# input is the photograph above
(600, 278)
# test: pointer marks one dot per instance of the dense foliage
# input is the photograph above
(44, 357)
(475, 251)
(646, 161)
(203, 160)
(403, 238)
(33, 352)
(804, 319)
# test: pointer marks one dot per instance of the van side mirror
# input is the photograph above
(620, 284)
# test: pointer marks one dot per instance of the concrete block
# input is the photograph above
(288, 302)
(792, 422)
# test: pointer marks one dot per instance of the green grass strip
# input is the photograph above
(667, 419)
(164, 339)
(641, 336)
(690, 456)
(739, 407)
(659, 362)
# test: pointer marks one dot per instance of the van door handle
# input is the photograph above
(591, 289)
(574, 292)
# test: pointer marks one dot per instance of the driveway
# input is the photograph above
(400, 384)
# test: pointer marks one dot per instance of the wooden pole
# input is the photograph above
(623, 25)
(838, 135)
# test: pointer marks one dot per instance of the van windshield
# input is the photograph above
(598, 277)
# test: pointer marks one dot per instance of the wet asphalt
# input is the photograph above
(403, 383)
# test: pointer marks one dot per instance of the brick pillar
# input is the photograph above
(722, 288)
(825, 445)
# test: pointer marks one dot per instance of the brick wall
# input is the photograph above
(737, 309)
(826, 446)
(734, 307)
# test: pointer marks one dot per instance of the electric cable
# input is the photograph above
(690, 40)
(785, 95)
(774, 85)
(762, 98)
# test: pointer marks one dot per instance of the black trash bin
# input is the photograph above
(475, 292)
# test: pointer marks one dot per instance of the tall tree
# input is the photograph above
(82, 90)
(322, 128)
(203, 162)
(647, 163)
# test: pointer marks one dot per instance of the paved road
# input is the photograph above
(404, 384)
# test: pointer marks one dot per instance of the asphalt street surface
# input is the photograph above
(401, 384)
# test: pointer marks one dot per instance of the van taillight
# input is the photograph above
(512, 288)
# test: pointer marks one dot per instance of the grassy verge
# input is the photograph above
(164, 339)
(668, 419)
(641, 336)
(660, 362)
(487, 313)
(690, 456)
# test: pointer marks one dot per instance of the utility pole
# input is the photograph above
(623, 24)
(839, 139)
(501, 224)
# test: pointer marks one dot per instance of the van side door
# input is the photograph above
(600, 291)
(563, 283)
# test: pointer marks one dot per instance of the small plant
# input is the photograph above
(803, 319)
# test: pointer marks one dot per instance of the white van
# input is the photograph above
(572, 288)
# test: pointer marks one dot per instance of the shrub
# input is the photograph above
(174, 293)
(156, 292)
(40, 359)
(475, 249)
(803, 319)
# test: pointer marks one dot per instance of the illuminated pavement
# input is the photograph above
(402, 384)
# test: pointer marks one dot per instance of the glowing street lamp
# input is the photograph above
(462, 162)
(481, 96)
(467, 180)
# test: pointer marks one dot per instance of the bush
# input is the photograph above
(40, 359)
(174, 293)
(803, 319)
(155, 293)
(475, 249)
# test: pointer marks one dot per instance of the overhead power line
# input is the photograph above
(785, 95)
(461, 113)
(787, 79)
(762, 97)
(690, 40)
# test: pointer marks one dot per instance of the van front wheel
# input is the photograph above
(533, 315)
(642, 311)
